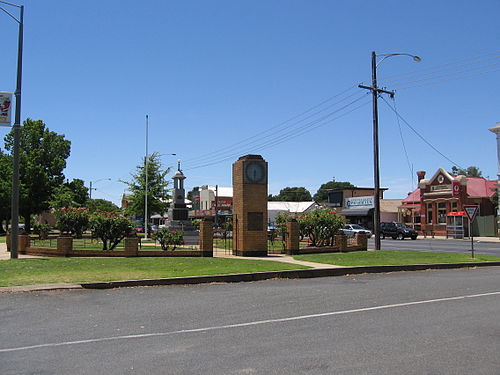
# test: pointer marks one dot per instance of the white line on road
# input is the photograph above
(247, 324)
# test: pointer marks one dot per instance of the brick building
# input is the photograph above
(436, 206)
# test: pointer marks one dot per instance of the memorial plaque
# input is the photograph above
(255, 221)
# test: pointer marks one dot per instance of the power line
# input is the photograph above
(410, 166)
(419, 135)
(273, 142)
(277, 127)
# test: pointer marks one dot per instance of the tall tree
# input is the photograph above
(471, 171)
(157, 188)
(322, 193)
(43, 155)
(5, 189)
(292, 194)
(70, 194)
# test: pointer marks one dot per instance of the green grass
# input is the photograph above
(271, 245)
(76, 270)
(392, 257)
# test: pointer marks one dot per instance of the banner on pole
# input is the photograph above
(5, 108)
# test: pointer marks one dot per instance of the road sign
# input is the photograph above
(471, 211)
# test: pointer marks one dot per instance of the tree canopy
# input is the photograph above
(101, 205)
(471, 171)
(70, 194)
(322, 193)
(292, 194)
(157, 188)
(43, 155)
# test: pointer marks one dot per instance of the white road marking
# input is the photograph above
(247, 324)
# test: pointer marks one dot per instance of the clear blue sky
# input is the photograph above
(212, 74)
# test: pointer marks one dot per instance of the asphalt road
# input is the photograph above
(433, 322)
(449, 245)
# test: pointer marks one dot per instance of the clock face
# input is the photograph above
(255, 172)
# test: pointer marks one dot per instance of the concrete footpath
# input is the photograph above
(316, 270)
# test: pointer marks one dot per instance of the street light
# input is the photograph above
(91, 188)
(146, 162)
(16, 128)
(376, 168)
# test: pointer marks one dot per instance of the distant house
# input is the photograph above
(276, 207)
(437, 205)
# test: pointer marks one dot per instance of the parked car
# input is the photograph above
(397, 230)
(139, 228)
(352, 229)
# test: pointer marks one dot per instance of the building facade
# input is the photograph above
(437, 205)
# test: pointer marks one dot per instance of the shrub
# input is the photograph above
(321, 225)
(72, 220)
(42, 230)
(166, 238)
(110, 228)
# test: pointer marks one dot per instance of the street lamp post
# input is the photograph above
(16, 129)
(146, 162)
(376, 165)
(91, 188)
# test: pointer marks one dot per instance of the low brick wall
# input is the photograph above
(39, 251)
(360, 243)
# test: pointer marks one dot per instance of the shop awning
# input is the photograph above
(357, 212)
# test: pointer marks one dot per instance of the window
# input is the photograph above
(454, 206)
(441, 213)
(429, 213)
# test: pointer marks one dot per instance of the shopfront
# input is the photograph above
(436, 206)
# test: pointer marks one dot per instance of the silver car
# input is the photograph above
(352, 229)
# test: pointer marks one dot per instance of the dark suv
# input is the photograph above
(397, 230)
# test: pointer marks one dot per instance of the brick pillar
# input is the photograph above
(362, 241)
(292, 237)
(131, 245)
(341, 241)
(207, 237)
(65, 244)
(24, 242)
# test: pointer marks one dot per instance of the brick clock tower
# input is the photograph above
(250, 206)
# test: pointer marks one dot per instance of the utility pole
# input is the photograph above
(376, 169)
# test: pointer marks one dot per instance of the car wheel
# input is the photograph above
(401, 236)
(382, 235)
(394, 237)
(414, 238)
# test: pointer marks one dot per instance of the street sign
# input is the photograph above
(471, 211)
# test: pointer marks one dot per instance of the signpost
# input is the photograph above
(471, 211)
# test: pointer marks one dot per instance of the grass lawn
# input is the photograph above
(75, 270)
(392, 257)
(271, 245)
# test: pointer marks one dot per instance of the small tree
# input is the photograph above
(72, 220)
(168, 238)
(321, 225)
(110, 228)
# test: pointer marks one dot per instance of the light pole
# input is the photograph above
(376, 168)
(16, 129)
(146, 182)
(496, 130)
(91, 188)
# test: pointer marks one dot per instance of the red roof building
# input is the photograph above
(437, 205)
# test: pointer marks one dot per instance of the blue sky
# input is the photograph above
(213, 74)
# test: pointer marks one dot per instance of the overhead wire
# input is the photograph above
(410, 165)
(258, 136)
(419, 135)
(287, 136)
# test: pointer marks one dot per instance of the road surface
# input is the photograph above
(432, 322)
